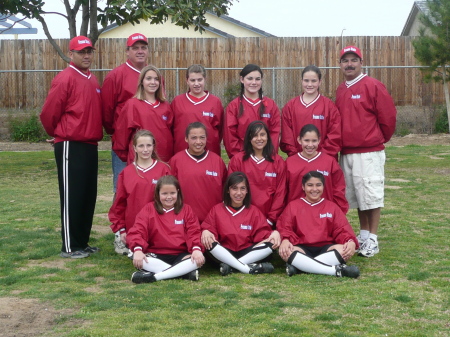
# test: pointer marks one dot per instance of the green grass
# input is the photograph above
(402, 291)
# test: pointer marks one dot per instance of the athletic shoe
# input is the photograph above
(291, 270)
(369, 248)
(225, 269)
(360, 242)
(343, 270)
(192, 276)
(91, 250)
(79, 254)
(143, 277)
(120, 247)
(261, 268)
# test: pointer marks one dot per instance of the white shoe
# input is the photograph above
(120, 247)
(360, 243)
(369, 248)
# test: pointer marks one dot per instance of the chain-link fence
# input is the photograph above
(419, 104)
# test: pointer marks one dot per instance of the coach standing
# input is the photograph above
(368, 121)
(119, 86)
(72, 114)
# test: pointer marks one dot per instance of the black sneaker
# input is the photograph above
(192, 276)
(225, 269)
(291, 270)
(143, 277)
(261, 268)
(91, 250)
(79, 254)
(343, 270)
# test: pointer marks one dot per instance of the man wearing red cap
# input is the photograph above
(368, 121)
(119, 86)
(72, 114)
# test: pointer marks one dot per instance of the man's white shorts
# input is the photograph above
(364, 179)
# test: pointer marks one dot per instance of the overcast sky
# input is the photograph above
(293, 17)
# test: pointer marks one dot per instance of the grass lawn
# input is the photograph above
(402, 291)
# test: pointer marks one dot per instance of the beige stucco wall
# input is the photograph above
(168, 29)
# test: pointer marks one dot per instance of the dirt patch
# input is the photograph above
(23, 317)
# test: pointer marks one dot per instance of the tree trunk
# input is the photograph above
(446, 94)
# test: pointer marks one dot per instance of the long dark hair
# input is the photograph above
(232, 180)
(252, 129)
(244, 72)
(168, 180)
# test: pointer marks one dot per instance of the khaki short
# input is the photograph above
(364, 179)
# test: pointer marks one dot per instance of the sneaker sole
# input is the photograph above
(364, 254)
(71, 256)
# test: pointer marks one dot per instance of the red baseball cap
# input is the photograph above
(351, 49)
(80, 42)
(133, 38)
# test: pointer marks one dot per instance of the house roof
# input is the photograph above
(15, 26)
(214, 30)
(419, 7)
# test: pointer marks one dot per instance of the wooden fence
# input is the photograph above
(391, 60)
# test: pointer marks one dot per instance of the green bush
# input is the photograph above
(26, 129)
(231, 92)
(441, 124)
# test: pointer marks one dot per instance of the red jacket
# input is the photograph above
(368, 115)
(267, 182)
(319, 224)
(135, 189)
(166, 233)
(237, 230)
(322, 113)
(118, 87)
(297, 166)
(208, 110)
(73, 108)
(136, 115)
(235, 127)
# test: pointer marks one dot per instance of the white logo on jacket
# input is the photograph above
(266, 115)
(164, 117)
(326, 215)
(179, 222)
(325, 173)
(154, 181)
(212, 173)
(356, 96)
(318, 117)
(208, 114)
(246, 227)
(270, 174)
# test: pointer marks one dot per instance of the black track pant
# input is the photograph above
(77, 165)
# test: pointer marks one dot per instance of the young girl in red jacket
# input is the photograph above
(165, 238)
(310, 159)
(236, 233)
(316, 236)
(265, 170)
(249, 106)
(148, 110)
(311, 108)
(135, 187)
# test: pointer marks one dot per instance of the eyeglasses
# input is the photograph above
(83, 52)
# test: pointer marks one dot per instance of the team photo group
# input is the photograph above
(177, 205)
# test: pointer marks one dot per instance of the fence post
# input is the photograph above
(177, 81)
(274, 89)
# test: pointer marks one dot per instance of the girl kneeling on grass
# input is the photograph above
(135, 187)
(316, 236)
(236, 233)
(165, 238)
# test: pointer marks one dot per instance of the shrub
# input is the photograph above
(27, 128)
(231, 92)
(441, 124)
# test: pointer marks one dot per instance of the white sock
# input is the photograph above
(257, 254)
(364, 234)
(309, 265)
(179, 269)
(155, 265)
(223, 255)
(374, 237)
(332, 257)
